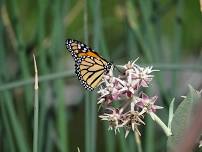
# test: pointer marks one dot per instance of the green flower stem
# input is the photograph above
(160, 123)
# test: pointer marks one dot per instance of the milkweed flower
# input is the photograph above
(134, 104)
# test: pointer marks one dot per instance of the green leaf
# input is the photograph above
(182, 117)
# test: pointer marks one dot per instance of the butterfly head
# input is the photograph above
(108, 66)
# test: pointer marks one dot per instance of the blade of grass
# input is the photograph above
(36, 109)
(177, 41)
(150, 36)
(47, 77)
(50, 136)
(147, 11)
(110, 139)
(122, 142)
(132, 21)
(94, 121)
(132, 143)
(87, 95)
(132, 41)
(62, 116)
(5, 127)
(2, 52)
(23, 60)
(96, 44)
(150, 132)
(13, 128)
(57, 38)
(149, 139)
(132, 46)
(108, 135)
(157, 29)
(69, 74)
(96, 24)
(85, 20)
(138, 142)
(9, 138)
(87, 122)
(16, 127)
(43, 67)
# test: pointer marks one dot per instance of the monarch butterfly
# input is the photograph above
(89, 65)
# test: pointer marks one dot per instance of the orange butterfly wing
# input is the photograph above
(89, 65)
(90, 71)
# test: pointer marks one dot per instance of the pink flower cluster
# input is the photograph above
(125, 88)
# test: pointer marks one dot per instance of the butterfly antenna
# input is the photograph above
(118, 69)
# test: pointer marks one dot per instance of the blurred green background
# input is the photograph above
(163, 33)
